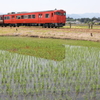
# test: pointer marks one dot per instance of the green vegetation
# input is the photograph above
(74, 74)
(43, 48)
(74, 78)
(90, 23)
(84, 20)
(82, 26)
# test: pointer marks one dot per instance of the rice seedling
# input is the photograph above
(30, 77)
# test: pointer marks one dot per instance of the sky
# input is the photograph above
(70, 6)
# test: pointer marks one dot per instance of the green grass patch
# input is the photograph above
(45, 48)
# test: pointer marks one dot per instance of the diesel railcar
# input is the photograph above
(50, 19)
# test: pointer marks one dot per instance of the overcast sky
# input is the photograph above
(70, 6)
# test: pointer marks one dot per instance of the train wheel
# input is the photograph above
(52, 26)
(45, 26)
(55, 26)
(10, 25)
(48, 26)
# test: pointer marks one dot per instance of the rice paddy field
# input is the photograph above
(49, 69)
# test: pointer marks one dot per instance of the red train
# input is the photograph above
(53, 18)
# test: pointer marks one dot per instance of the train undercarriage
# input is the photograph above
(45, 25)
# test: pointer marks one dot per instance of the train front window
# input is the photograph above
(64, 14)
(58, 13)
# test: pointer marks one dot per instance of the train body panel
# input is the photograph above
(44, 18)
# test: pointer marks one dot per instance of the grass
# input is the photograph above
(44, 48)
(81, 26)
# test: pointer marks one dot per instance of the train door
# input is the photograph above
(13, 19)
(52, 17)
(40, 18)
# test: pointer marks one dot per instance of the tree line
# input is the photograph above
(89, 21)
(84, 20)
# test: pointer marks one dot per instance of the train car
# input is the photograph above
(53, 18)
(1, 20)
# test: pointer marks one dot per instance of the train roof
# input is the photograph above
(32, 12)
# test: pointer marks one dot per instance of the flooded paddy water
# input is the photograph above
(77, 77)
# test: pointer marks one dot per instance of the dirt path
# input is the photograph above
(77, 34)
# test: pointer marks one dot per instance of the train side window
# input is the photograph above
(40, 16)
(5, 18)
(18, 17)
(29, 16)
(0, 18)
(8, 17)
(25, 16)
(33, 16)
(47, 16)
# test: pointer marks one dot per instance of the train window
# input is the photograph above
(8, 17)
(29, 16)
(46, 15)
(40, 16)
(5, 18)
(64, 14)
(1, 18)
(25, 16)
(18, 17)
(33, 16)
(58, 13)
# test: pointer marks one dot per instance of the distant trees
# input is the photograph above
(84, 20)
(89, 21)
(70, 19)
